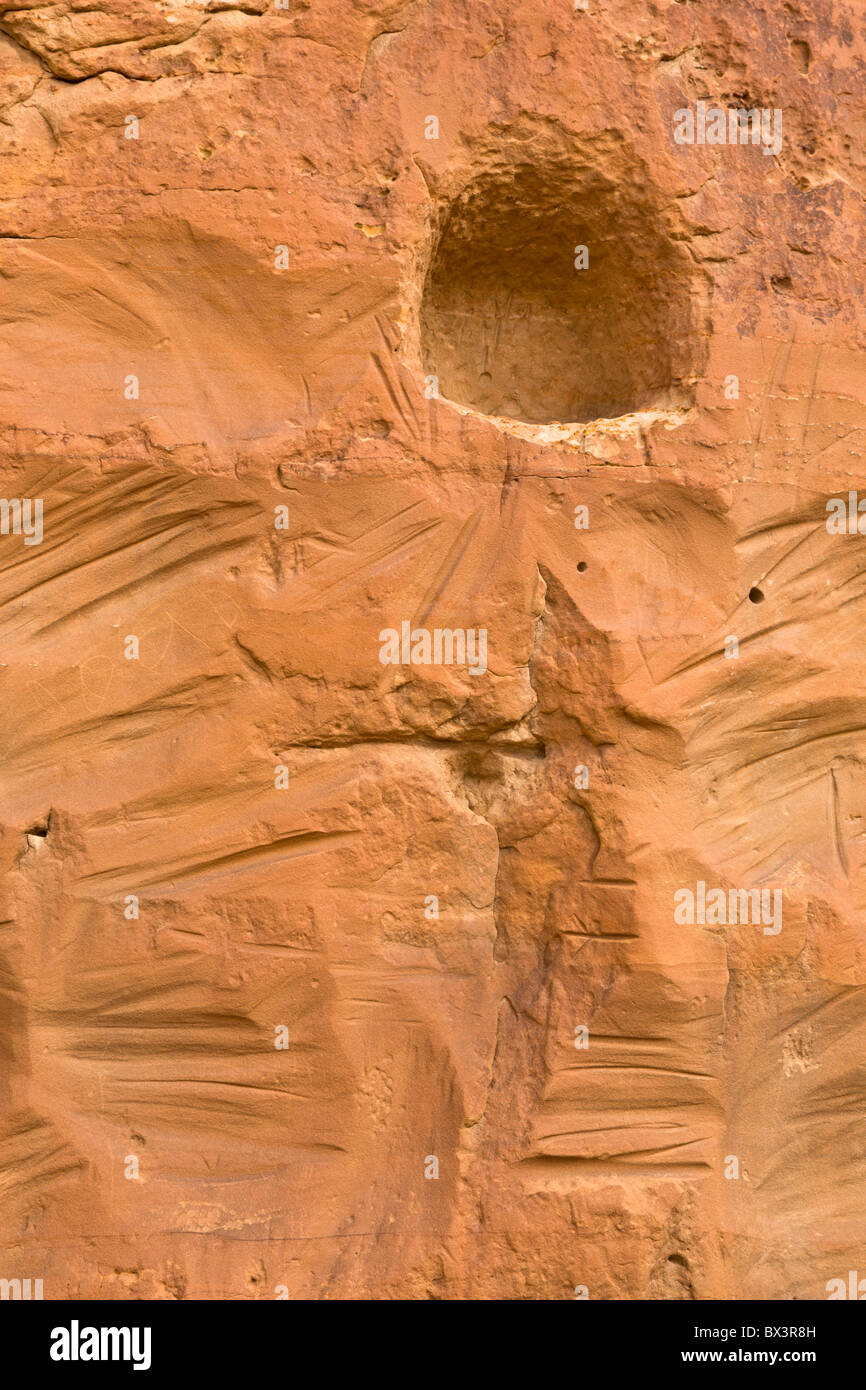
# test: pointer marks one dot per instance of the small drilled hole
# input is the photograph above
(581, 567)
(756, 596)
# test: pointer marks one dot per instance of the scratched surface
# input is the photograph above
(304, 385)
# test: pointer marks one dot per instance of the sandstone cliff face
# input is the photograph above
(349, 978)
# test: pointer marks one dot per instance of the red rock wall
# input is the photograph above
(297, 347)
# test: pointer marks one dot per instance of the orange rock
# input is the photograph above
(349, 978)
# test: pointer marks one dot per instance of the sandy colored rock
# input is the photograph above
(296, 350)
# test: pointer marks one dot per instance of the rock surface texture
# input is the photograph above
(328, 965)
